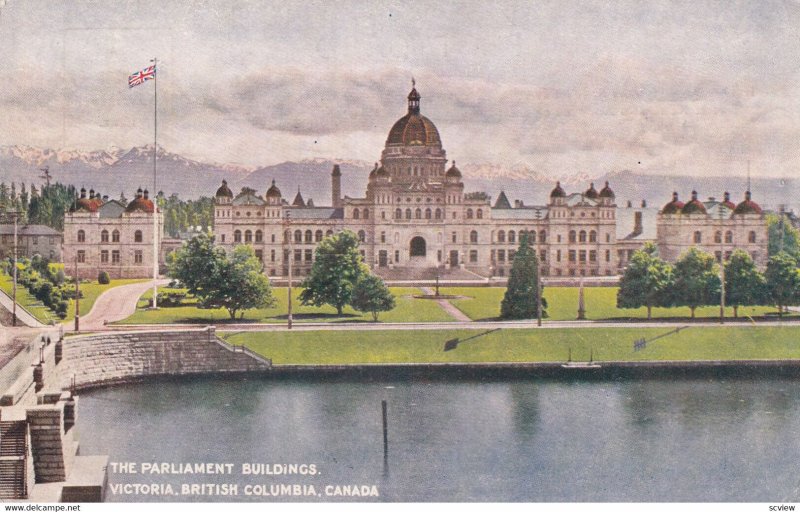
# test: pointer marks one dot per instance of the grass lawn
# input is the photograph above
(522, 345)
(90, 292)
(407, 310)
(28, 301)
(484, 304)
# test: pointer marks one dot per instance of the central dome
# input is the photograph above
(414, 129)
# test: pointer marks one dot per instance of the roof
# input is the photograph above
(502, 201)
(111, 209)
(414, 129)
(248, 199)
(28, 230)
(626, 220)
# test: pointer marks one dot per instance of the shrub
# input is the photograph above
(103, 278)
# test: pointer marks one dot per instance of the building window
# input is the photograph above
(308, 254)
(512, 237)
(572, 237)
(115, 236)
(582, 256)
(418, 214)
(511, 254)
(81, 256)
(751, 237)
(309, 236)
(137, 236)
(318, 235)
(366, 213)
(115, 257)
(558, 255)
(469, 213)
(104, 236)
(298, 255)
(428, 213)
(397, 256)
(543, 237)
(260, 254)
(593, 236)
(248, 236)
(223, 238)
(572, 256)
(479, 213)
(582, 237)
(237, 236)
(454, 237)
(592, 256)
(298, 236)
(473, 237)
(259, 236)
(329, 232)
(608, 255)
(356, 213)
(698, 237)
(81, 236)
(398, 214)
(362, 236)
(728, 237)
(501, 255)
(408, 213)
(543, 255)
(608, 238)
(272, 255)
(383, 237)
(718, 237)
(383, 215)
(473, 256)
(438, 214)
(501, 237)
(103, 256)
(137, 256)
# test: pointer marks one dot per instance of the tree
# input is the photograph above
(519, 301)
(782, 280)
(744, 284)
(370, 294)
(234, 282)
(782, 237)
(337, 266)
(696, 280)
(646, 282)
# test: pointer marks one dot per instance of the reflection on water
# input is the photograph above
(638, 440)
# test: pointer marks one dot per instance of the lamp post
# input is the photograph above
(291, 257)
(538, 271)
(14, 215)
(721, 264)
(77, 298)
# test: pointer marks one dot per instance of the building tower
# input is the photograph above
(336, 187)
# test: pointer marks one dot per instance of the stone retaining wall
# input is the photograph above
(120, 357)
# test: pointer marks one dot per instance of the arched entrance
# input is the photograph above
(417, 246)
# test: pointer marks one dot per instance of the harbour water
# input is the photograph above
(501, 440)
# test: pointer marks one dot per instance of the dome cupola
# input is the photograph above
(674, 206)
(224, 191)
(693, 206)
(606, 192)
(748, 206)
(414, 129)
(558, 191)
(591, 192)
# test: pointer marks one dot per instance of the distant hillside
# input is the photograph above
(117, 170)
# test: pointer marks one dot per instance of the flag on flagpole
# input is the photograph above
(142, 76)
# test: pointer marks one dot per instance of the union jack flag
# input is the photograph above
(142, 76)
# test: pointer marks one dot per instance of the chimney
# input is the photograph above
(146, 194)
(637, 223)
(630, 204)
(336, 187)
(644, 203)
(517, 203)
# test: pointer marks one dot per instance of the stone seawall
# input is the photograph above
(109, 358)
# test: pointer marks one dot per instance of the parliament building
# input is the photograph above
(416, 222)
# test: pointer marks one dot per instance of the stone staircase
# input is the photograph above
(13, 460)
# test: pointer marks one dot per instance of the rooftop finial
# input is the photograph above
(413, 82)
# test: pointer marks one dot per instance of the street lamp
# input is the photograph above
(291, 257)
(14, 215)
(721, 264)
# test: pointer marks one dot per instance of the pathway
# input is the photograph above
(116, 304)
(23, 317)
(449, 308)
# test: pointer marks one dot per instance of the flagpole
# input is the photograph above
(155, 189)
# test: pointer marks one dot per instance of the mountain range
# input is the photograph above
(117, 170)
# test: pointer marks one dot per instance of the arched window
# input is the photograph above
(362, 236)
(329, 232)
(81, 236)
(366, 213)
(718, 237)
(104, 236)
(398, 214)
(259, 236)
(532, 236)
(418, 214)
(572, 236)
(298, 236)
(512, 237)
(729, 237)
(501, 236)
(582, 236)
(593, 236)
(698, 237)
(318, 236)
(438, 214)
(542, 236)
(428, 213)
(248, 236)
(469, 213)
(480, 213)
(473, 237)
(287, 236)
(356, 213)
(137, 236)
(237, 236)
(751, 237)
(115, 236)
(408, 213)
(309, 236)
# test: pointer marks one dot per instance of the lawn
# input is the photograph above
(408, 309)
(484, 304)
(522, 345)
(28, 301)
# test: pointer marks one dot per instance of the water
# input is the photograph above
(537, 440)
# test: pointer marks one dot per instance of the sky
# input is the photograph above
(561, 87)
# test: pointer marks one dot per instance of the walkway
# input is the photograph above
(445, 304)
(116, 304)
(23, 317)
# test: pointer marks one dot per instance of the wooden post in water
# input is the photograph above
(385, 432)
